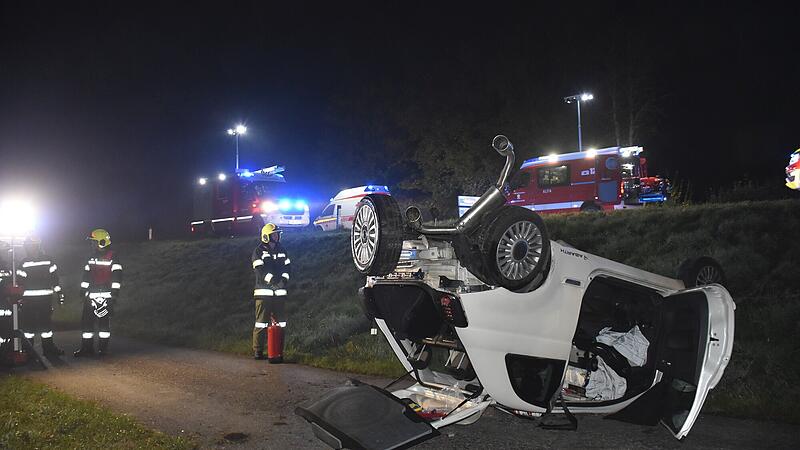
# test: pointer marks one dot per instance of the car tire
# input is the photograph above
(515, 248)
(700, 272)
(377, 235)
(590, 207)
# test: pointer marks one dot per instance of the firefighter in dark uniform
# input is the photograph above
(272, 269)
(102, 281)
(38, 276)
(6, 320)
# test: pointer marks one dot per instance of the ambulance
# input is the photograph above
(339, 212)
(591, 180)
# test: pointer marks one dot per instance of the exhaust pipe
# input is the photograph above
(491, 200)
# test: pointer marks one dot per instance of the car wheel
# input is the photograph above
(516, 249)
(590, 207)
(377, 235)
(700, 272)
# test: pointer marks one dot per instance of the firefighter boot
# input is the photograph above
(87, 348)
(258, 354)
(102, 346)
(49, 347)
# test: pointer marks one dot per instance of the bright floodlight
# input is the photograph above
(591, 153)
(202, 181)
(221, 177)
(17, 217)
(231, 131)
(586, 96)
(552, 157)
(241, 129)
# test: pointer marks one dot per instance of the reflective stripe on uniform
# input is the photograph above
(37, 292)
(104, 334)
(116, 285)
(268, 277)
(100, 262)
(57, 289)
(84, 284)
(257, 263)
(285, 275)
(21, 273)
(116, 267)
(36, 263)
(286, 262)
(282, 324)
(281, 255)
(46, 335)
(268, 292)
(29, 335)
(86, 268)
(87, 335)
(5, 312)
(280, 292)
(261, 325)
(53, 268)
(99, 294)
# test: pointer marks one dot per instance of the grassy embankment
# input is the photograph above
(34, 416)
(197, 293)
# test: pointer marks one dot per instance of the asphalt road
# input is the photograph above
(228, 401)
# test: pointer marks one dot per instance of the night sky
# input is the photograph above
(108, 114)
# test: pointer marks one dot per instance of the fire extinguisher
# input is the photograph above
(274, 342)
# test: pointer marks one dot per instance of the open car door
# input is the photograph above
(694, 347)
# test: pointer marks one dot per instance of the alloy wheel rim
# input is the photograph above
(519, 250)
(364, 238)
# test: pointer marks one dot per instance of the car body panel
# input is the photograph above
(539, 323)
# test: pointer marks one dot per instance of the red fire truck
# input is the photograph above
(242, 202)
(591, 180)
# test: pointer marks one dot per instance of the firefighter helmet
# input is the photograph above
(100, 236)
(267, 230)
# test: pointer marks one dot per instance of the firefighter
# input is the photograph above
(102, 281)
(38, 276)
(272, 270)
(6, 320)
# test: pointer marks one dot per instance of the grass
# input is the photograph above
(34, 416)
(198, 293)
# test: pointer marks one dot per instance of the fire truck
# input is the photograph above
(591, 180)
(242, 202)
(793, 171)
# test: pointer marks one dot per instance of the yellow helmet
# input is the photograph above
(100, 236)
(267, 230)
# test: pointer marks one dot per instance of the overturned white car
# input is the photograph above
(490, 312)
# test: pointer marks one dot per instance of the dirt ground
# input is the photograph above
(228, 401)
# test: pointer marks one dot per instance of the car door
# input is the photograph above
(694, 347)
